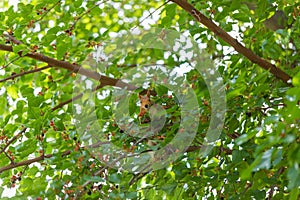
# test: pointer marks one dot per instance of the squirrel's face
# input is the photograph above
(145, 103)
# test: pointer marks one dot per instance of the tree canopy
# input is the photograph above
(150, 99)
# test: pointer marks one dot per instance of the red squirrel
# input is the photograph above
(145, 103)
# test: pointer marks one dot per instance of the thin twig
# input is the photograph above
(151, 13)
(86, 12)
(271, 192)
(13, 39)
(47, 11)
(8, 156)
(24, 73)
(11, 61)
(248, 185)
(13, 139)
(137, 177)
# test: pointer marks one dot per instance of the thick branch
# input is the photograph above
(233, 42)
(75, 68)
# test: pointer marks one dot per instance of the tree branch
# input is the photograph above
(105, 80)
(48, 10)
(9, 157)
(13, 139)
(24, 73)
(30, 161)
(85, 13)
(10, 62)
(13, 39)
(42, 157)
(233, 42)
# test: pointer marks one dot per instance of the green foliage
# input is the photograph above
(256, 156)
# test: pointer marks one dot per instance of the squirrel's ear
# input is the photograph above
(148, 93)
(140, 96)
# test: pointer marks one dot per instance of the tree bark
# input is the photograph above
(233, 42)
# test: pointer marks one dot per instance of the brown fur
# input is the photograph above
(145, 103)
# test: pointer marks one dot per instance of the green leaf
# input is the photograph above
(33, 170)
(78, 3)
(294, 194)
(245, 137)
(246, 173)
(241, 17)
(12, 91)
(169, 187)
(62, 46)
(1, 190)
(93, 179)
(26, 148)
(265, 161)
(294, 177)
(19, 48)
(3, 107)
(262, 7)
(233, 124)
(296, 80)
(171, 10)
(26, 91)
(131, 195)
(161, 90)
(238, 156)
(257, 194)
(34, 112)
(234, 5)
(236, 92)
(260, 135)
(115, 178)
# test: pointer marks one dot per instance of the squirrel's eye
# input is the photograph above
(146, 106)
